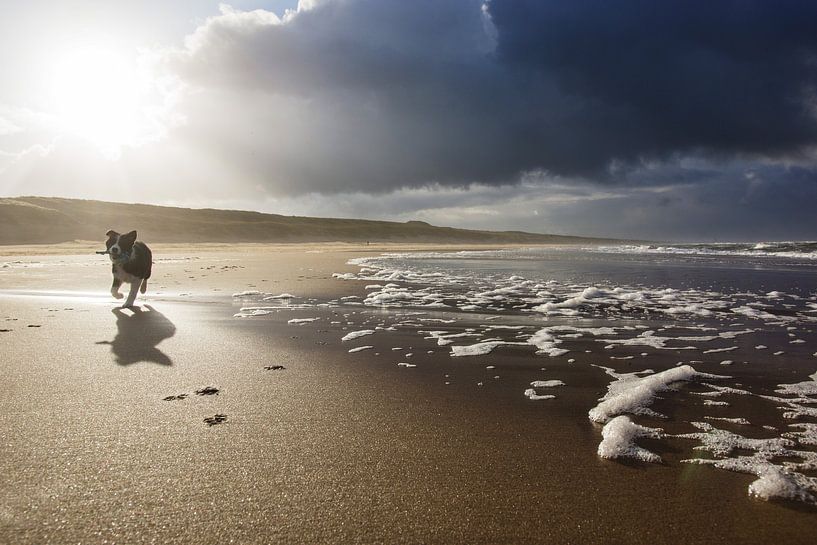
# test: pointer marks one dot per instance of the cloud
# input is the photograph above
(347, 95)
(677, 120)
(722, 77)
(373, 95)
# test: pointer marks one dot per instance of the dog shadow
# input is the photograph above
(138, 335)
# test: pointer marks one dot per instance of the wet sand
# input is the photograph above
(335, 447)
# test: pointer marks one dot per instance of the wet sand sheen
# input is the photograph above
(335, 447)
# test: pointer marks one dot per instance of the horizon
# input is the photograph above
(558, 234)
(689, 123)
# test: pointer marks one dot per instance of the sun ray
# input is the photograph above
(97, 95)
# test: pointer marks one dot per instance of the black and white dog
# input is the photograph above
(132, 262)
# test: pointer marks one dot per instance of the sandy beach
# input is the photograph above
(334, 447)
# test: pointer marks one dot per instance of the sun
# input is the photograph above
(97, 97)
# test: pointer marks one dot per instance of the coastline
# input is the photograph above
(335, 447)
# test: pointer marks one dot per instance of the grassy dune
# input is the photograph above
(48, 220)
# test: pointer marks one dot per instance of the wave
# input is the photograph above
(794, 250)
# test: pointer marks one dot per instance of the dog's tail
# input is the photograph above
(144, 287)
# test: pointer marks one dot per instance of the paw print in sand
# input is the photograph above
(215, 419)
(207, 391)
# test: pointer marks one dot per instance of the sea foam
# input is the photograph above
(631, 393)
(618, 440)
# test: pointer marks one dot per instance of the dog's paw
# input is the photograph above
(117, 295)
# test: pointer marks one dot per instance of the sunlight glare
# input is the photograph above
(97, 97)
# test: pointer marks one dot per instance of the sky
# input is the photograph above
(675, 120)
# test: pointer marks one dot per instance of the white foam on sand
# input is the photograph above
(774, 483)
(360, 349)
(718, 391)
(722, 442)
(279, 296)
(801, 405)
(531, 394)
(782, 481)
(480, 349)
(577, 300)
(444, 338)
(545, 343)
(546, 383)
(357, 334)
(649, 338)
(631, 393)
(296, 321)
(808, 387)
(392, 295)
(618, 440)
(716, 350)
(806, 433)
(740, 421)
(247, 313)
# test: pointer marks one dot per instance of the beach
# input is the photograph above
(323, 445)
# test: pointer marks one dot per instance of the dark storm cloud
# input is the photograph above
(372, 95)
(669, 76)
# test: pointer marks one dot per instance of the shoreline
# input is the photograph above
(337, 446)
(87, 247)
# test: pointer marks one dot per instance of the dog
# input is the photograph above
(132, 262)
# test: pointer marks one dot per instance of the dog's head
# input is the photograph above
(119, 245)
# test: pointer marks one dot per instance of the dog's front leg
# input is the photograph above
(134, 289)
(115, 288)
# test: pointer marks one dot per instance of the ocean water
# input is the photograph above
(794, 250)
(677, 267)
(728, 329)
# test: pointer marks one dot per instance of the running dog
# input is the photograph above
(132, 262)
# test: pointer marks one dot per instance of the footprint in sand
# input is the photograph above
(34, 325)
(207, 391)
(215, 419)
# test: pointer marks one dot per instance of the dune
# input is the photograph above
(50, 220)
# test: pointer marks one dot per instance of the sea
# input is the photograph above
(728, 329)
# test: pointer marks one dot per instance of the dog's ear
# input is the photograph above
(126, 241)
(111, 234)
